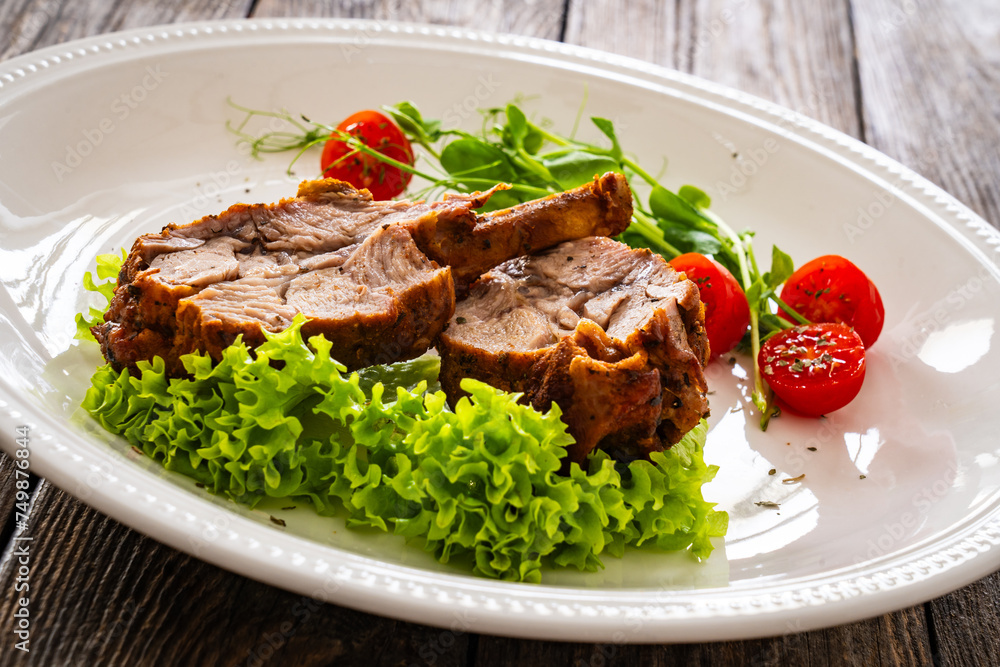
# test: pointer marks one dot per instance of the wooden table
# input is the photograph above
(916, 79)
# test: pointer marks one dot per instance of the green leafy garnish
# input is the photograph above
(481, 482)
(108, 267)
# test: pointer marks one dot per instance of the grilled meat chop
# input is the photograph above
(610, 334)
(376, 278)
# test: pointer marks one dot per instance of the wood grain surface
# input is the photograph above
(919, 80)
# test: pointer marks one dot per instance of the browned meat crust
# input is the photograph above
(251, 268)
(609, 334)
(600, 208)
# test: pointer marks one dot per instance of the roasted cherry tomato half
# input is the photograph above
(342, 161)
(815, 368)
(727, 314)
(832, 289)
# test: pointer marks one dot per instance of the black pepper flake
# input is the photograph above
(862, 476)
(199, 485)
(290, 507)
(570, 258)
(811, 449)
(276, 520)
(461, 320)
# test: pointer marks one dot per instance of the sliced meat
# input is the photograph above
(254, 266)
(385, 302)
(612, 335)
(602, 207)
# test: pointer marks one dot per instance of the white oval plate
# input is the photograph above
(114, 136)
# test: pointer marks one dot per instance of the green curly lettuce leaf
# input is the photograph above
(480, 482)
(108, 267)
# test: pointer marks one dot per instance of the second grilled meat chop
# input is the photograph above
(612, 335)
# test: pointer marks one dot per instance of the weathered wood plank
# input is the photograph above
(888, 640)
(644, 29)
(930, 81)
(30, 25)
(967, 624)
(8, 495)
(796, 54)
(102, 594)
(537, 18)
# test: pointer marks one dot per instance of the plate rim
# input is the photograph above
(524, 610)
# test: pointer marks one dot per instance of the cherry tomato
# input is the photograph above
(343, 162)
(814, 368)
(832, 289)
(727, 314)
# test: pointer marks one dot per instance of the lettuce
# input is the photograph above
(483, 482)
(108, 267)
